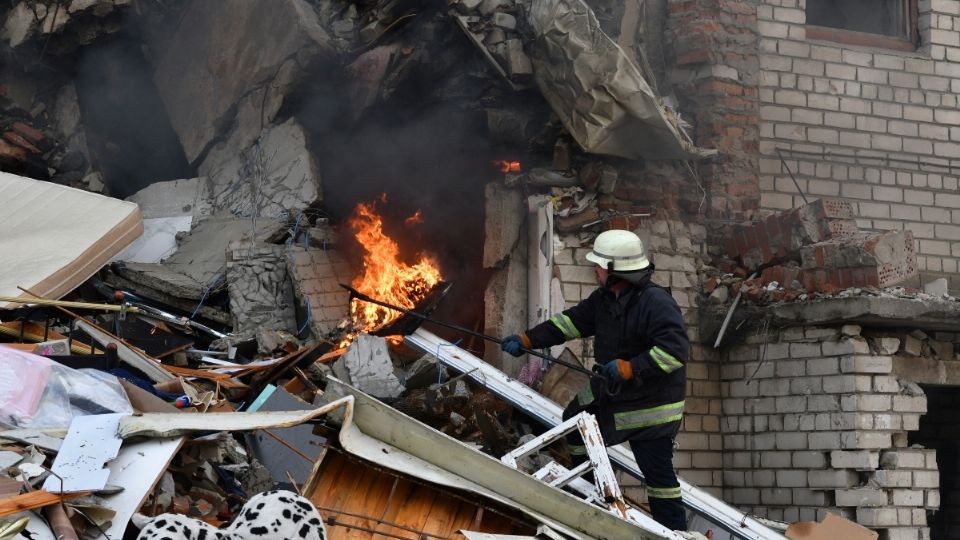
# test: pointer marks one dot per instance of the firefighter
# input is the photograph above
(641, 348)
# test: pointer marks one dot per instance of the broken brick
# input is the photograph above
(877, 259)
(30, 133)
(11, 152)
(20, 141)
(781, 235)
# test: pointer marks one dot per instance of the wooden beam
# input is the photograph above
(34, 499)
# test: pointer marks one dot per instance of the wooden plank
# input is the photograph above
(34, 499)
(347, 484)
(33, 333)
(198, 373)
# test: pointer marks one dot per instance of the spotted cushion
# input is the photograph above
(271, 514)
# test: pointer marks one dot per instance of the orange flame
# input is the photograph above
(385, 277)
(415, 219)
(507, 166)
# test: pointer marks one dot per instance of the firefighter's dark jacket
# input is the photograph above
(645, 326)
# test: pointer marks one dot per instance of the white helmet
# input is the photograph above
(622, 248)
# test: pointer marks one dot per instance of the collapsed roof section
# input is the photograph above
(598, 91)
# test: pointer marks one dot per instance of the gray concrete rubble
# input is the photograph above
(197, 269)
(886, 309)
(175, 198)
(222, 52)
(505, 311)
(29, 19)
(505, 212)
(317, 273)
(261, 294)
(370, 368)
(424, 372)
(274, 177)
(169, 209)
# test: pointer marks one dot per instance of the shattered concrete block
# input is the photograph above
(851, 330)
(504, 215)
(937, 287)
(20, 24)
(504, 20)
(493, 37)
(912, 346)
(261, 294)
(94, 182)
(317, 274)
(424, 372)
(942, 349)
(467, 6)
(517, 62)
(505, 312)
(53, 17)
(887, 345)
(186, 197)
(223, 51)
(366, 75)
(489, 6)
(371, 370)
(168, 209)
(275, 177)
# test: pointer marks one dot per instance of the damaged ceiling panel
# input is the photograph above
(597, 91)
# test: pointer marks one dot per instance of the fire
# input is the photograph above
(385, 277)
(507, 166)
(415, 219)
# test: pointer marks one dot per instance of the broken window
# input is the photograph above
(891, 18)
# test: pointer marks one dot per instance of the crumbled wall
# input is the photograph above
(873, 125)
(815, 422)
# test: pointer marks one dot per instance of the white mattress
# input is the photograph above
(53, 238)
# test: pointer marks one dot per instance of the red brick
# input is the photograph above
(10, 151)
(20, 141)
(31, 133)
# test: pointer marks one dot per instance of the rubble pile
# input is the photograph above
(178, 355)
(816, 250)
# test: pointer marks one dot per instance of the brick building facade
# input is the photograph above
(792, 422)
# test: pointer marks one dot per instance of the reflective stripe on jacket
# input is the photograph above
(644, 326)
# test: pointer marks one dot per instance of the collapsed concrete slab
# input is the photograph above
(222, 52)
(261, 294)
(371, 370)
(274, 177)
(197, 268)
(169, 208)
(186, 197)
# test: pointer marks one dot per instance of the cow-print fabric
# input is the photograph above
(271, 514)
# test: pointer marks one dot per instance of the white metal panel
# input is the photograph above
(525, 398)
